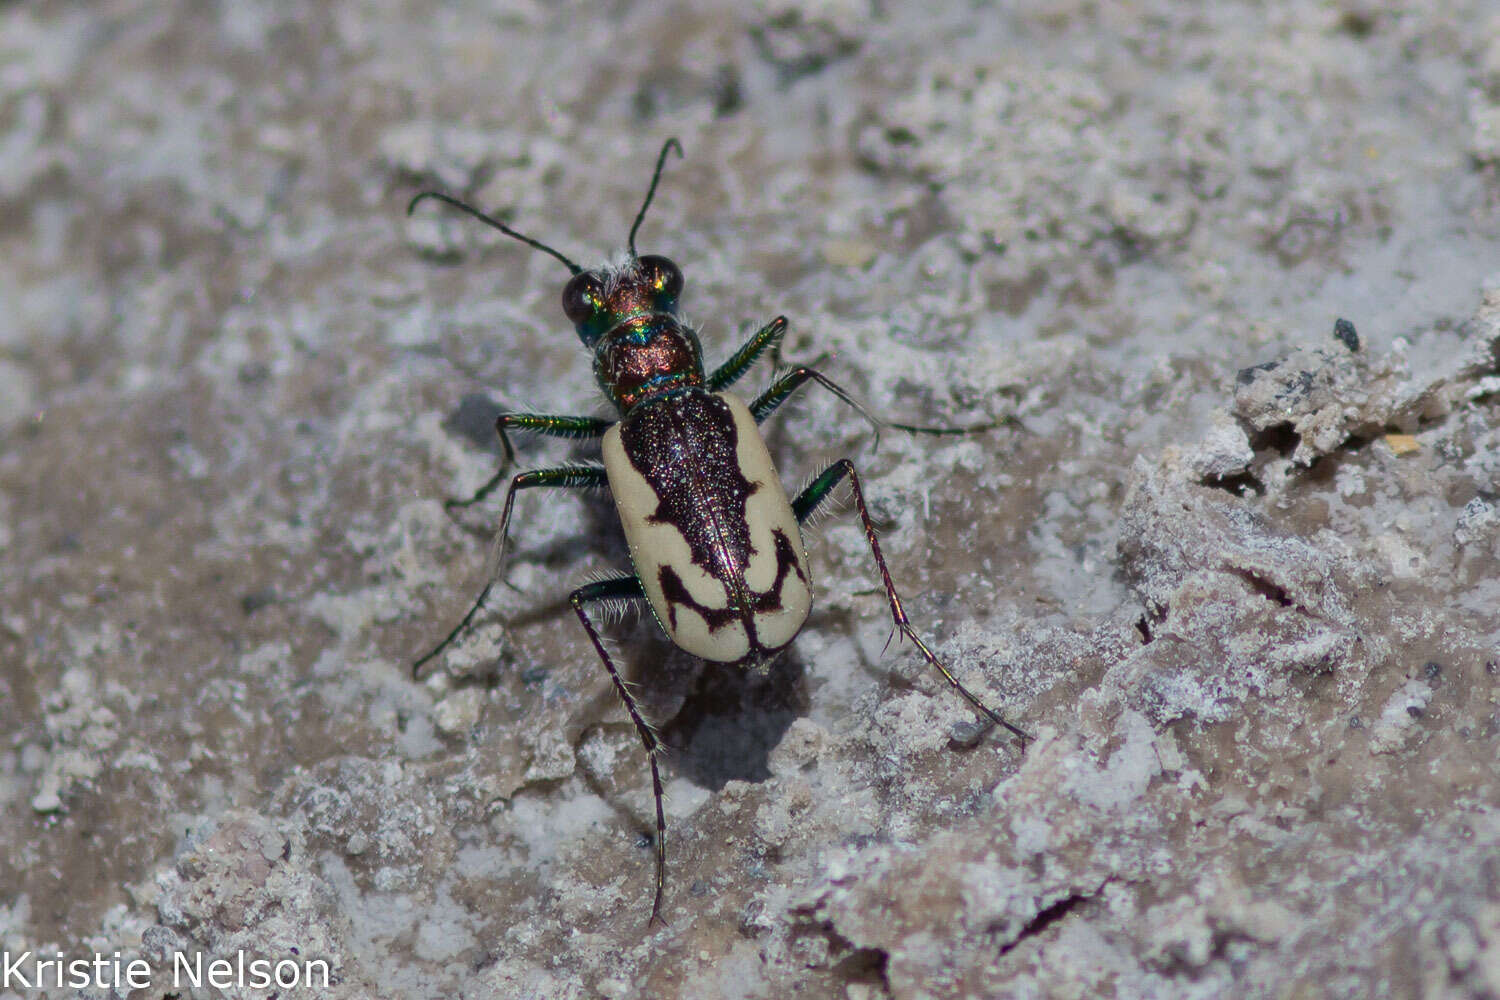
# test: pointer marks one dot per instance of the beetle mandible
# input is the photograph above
(715, 541)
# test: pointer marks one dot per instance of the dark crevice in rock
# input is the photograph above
(864, 965)
(1047, 917)
(1280, 438)
(1151, 616)
(1264, 587)
(848, 962)
(1240, 484)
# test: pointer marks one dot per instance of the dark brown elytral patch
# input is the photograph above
(670, 447)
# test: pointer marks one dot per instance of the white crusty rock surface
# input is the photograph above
(1234, 566)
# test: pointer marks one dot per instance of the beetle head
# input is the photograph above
(596, 302)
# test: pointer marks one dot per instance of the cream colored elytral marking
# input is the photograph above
(727, 644)
(767, 512)
(653, 546)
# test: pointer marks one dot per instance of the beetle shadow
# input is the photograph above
(732, 720)
(718, 721)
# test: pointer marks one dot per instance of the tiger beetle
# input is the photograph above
(716, 544)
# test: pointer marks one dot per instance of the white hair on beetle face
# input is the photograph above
(615, 270)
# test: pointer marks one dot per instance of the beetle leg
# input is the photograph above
(767, 337)
(536, 423)
(629, 588)
(569, 476)
(818, 491)
(767, 402)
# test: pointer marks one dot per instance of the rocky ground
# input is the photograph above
(1231, 563)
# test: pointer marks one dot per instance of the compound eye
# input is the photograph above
(582, 297)
(665, 278)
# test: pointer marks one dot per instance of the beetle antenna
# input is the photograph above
(661, 161)
(494, 223)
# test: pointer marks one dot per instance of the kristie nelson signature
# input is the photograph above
(31, 970)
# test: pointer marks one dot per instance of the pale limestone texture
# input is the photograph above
(1237, 576)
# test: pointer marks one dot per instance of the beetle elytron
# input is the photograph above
(715, 542)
